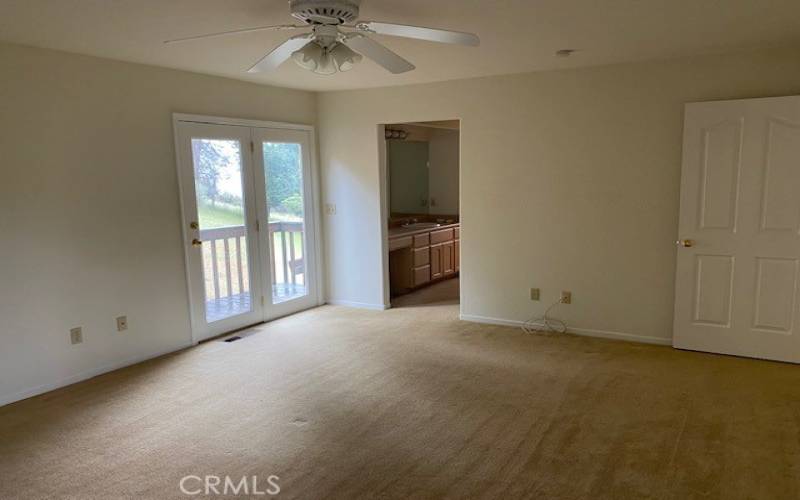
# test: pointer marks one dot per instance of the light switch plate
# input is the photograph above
(76, 336)
(566, 297)
(535, 294)
(122, 323)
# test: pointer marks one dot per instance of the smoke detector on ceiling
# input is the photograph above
(565, 52)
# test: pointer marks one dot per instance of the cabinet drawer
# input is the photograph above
(422, 275)
(422, 240)
(422, 257)
(458, 233)
(397, 243)
(441, 236)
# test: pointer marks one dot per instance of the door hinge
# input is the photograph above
(263, 301)
(252, 147)
(258, 226)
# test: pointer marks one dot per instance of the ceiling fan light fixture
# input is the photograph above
(326, 65)
(314, 57)
(344, 57)
(309, 56)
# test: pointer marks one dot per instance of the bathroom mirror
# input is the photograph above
(408, 174)
(422, 165)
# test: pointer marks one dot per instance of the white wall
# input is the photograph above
(443, 173)
(569, 181)
(89, 212)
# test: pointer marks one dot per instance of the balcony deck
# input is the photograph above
(232, 305)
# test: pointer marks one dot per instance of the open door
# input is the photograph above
(739, 246)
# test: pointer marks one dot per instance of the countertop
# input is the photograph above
(396, 232)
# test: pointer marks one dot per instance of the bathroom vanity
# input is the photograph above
(422, 254)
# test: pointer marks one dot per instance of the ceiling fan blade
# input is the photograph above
(378, 53)
(236, 32)
(418, 32)
(281, 53)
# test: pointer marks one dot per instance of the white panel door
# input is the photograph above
(739, 247)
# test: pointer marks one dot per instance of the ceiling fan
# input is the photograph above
(338, 40)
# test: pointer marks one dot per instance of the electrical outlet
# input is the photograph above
(566, 297)
(76, 336)
(330, 209)
(535, 294)
(122, 323)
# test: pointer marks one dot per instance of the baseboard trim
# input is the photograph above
(358, 305)
(586, 332)
(80, 377)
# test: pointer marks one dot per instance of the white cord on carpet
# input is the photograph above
(545, 323)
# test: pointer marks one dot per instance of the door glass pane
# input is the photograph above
(220, 208)
(283, 170)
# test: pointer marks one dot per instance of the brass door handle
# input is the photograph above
(197, 243)
(685, 243)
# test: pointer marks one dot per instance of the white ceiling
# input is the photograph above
(517, 35)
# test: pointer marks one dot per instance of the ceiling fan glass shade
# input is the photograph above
(309, 56)
(315, 58)
(326, 65)
(344, 58)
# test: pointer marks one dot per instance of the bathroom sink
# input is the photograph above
(421, 225)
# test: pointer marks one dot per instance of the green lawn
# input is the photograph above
(222, 215)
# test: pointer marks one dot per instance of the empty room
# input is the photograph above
(346, 249)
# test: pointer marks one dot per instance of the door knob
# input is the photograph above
(685, 243)
(197, 243)
(194, 225)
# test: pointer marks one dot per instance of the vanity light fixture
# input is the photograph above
(401, 135)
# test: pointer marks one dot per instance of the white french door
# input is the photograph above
(285, 201)
(739, 248)
(248, 207)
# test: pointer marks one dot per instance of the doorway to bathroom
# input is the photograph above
(421, 167)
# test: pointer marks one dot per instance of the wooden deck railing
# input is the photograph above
(226, 263)
(291, 264)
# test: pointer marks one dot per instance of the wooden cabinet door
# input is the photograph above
(422, 275)
(436, 262)
(458, 255)
(448, 259)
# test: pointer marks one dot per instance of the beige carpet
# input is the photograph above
(443, 293)
(412, 403)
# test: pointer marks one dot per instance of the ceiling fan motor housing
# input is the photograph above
(325, 11)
